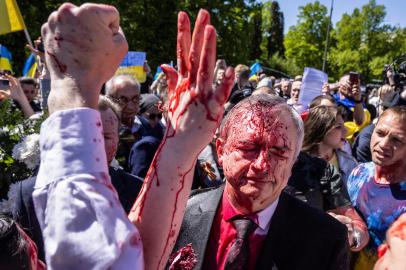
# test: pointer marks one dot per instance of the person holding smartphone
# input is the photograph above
(349, 97)
(10, 88)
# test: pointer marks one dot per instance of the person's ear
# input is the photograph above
(220, 150)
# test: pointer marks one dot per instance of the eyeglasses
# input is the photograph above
(123, 101)
(153, 116)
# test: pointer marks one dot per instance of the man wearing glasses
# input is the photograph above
(124, 90)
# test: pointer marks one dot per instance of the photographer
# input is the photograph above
(10, 88)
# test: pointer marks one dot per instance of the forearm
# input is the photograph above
(359, 114)
(25, 106)
(169, 179)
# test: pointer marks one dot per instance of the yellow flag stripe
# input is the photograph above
(10, 17)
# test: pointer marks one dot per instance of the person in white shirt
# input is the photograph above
(83, 225)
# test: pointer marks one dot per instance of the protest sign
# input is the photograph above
(312, 83)
(133, 64)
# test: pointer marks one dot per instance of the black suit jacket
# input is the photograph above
(299, 237)
(128, 186)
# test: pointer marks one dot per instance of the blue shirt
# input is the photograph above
(379, 204)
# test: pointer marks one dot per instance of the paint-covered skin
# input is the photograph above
(388, 149)
(392, 254)
(257, 156)
(194, 112)
(79, 41)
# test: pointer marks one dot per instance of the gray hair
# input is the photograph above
(122, 78)
(265, 100)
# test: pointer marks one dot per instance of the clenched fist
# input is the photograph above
(84, 46)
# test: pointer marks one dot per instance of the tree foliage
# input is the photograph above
(304, 43)
(247, 30)
(151, 26)
(273, 25)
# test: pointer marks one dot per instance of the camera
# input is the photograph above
(398, 68)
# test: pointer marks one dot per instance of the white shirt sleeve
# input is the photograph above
(81, 218)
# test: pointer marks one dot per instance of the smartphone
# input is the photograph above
(4, 84)
(354, 78)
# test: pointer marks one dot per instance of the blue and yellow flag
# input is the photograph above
(30, 66)
(255, 69)
(10, 17)
(5, 58)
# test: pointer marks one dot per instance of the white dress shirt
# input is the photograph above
(82, 221)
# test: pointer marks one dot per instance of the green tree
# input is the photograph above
(150, 26)
(273, 24)
(365, 43)
(304, 43)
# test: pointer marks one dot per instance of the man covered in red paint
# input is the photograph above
(83, 225)
(250, 223)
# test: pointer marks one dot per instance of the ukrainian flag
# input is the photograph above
(10, 17)
(5, 58)
(255, 68)
(30, 66)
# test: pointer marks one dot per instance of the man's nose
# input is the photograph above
(262, 162)
(384, 143)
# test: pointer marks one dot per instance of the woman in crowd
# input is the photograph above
(325, 136)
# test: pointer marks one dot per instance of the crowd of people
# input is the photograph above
(205, 167)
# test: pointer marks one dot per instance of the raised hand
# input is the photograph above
(194, 111)
(195, 108)
(16, 93)
(84, 46)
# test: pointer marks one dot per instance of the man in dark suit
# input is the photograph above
(250, 223)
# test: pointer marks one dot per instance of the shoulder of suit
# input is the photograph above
(199, 195)
(301, 213)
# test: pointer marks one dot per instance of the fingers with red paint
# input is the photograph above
(183, 44)
(203, 19)
(171, 76)
(207, 62)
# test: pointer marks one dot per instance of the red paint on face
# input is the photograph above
(174, 97)
(257, 156)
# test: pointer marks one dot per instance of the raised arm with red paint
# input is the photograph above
(195, 110)
(73, 197)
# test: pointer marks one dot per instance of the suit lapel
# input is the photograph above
(201, 220)
(272, 244)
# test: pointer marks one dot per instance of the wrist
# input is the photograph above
(68, 94)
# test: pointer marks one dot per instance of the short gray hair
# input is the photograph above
(122, 78)
(264, 100)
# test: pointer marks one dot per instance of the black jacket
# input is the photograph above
(299, 237)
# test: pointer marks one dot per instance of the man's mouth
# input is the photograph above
(381, 155)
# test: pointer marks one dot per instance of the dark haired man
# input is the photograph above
(378, 188)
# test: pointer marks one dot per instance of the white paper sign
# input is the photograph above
(312, 83)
